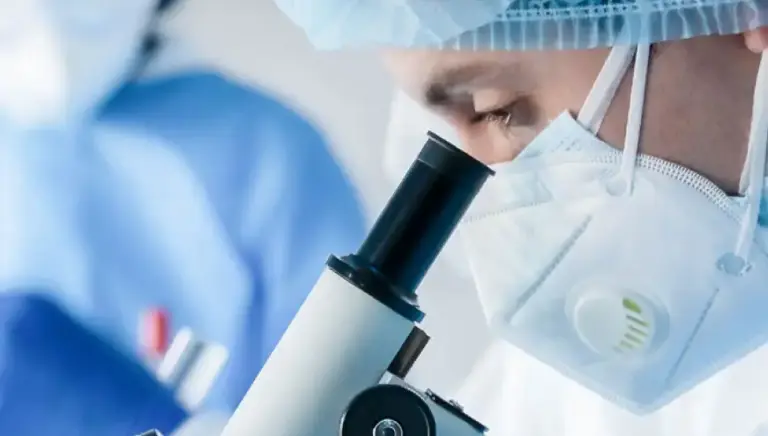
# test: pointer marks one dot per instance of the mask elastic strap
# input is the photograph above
(745, 172)
(604, 90)
(635, 117)
(606, 85)
(754, 167)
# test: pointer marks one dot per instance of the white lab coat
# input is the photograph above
(516, 395)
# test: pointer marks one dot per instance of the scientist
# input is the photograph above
(131, 178)
(621, 251)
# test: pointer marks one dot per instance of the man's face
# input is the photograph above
(697, 111)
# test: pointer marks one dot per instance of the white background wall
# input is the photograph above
(348, 96)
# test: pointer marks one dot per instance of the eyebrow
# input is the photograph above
(444, 86)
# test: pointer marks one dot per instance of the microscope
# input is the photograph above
(340, 367)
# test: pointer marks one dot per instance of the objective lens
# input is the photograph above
(388, 427)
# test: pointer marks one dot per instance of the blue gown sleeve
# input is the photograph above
(300, 208)
(56, 377)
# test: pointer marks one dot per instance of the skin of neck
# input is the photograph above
(698, 107)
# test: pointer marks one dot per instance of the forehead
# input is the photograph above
(421, 73)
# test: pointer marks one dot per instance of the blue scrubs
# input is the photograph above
(192, 193)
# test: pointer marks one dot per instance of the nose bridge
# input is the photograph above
(478, 141)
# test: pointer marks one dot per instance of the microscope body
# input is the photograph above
(339, 368)
(333, 373)
(341, 342)
(358, 324)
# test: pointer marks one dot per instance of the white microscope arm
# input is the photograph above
(338, 369)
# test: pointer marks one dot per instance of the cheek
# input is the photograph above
(566, 79)
(492, 144)
(564, 94)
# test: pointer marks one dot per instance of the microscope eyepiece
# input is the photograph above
(416, 223)
(423, 213)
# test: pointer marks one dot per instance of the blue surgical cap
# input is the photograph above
(517, 24)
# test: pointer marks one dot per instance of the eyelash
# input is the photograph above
(498, 117)
(520, 113)
(502, 116)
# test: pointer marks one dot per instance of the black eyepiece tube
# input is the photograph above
(414, 226)
(422, 213)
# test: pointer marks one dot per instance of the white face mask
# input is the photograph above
(60, 58)
(634, 276)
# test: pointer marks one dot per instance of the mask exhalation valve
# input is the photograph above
(617, 324)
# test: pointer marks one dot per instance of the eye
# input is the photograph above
(501, 115)
(498, 116)
(519, 113)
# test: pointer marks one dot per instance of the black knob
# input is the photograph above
(388, 410)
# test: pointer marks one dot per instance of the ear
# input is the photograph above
(757, 40)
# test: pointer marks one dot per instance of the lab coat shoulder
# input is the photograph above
(271, 180)
(56, 369)
(297, 196)
(264, 164)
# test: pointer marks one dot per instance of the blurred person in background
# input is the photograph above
(131, 177)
